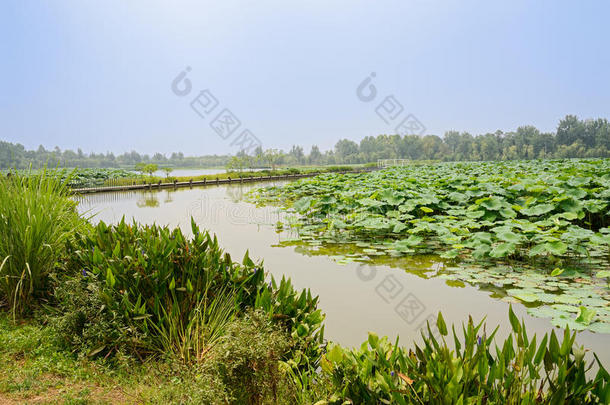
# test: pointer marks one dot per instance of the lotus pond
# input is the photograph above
(532, 232)
(359, 291)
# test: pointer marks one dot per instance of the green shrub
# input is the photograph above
(297, 313)
(164, 284)
(247, 359)
(522, 371)
(176, 295)
(84, 321)
(37, 218)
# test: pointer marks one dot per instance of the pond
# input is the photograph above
(394, 297)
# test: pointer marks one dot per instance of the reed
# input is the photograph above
(36, 219)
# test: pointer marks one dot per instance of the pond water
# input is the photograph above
(393, 297)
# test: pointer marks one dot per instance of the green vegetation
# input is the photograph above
(148, 168)
(81, 178)
(547, 220)
(573, 138)
(245, 367)
(36, 221)
(141, 314)
(111, 177)
(171, 294)
(475, 372)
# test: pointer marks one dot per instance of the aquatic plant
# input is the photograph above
(537, 230)
(179, 293)
(522, 370)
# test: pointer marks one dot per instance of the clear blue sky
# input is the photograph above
(97, 74)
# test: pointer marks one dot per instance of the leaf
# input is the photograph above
(557, 248)
(373, 339)
(405, 378)
(556, 272)
(335, 354)
(538, 209)
(110, 280)
(491, 203)
(508, 236)
(96, 351)
(303, 204)
(514, 321)
(585, 316)
(603, 274)
(503, 250)
(440, 323)
(458, 197)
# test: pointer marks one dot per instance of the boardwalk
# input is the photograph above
(205, 182)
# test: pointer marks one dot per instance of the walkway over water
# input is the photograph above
(383, 163)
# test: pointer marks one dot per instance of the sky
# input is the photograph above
(98, 75)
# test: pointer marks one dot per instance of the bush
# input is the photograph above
(173, 295)
(247, 359)
(167, 287)
(37, 218)
(84, 321)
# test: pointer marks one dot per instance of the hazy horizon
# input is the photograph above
(99, 76)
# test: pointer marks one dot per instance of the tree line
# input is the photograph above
(574, 138)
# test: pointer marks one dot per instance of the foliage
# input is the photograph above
(521, 371)
(574, 138)
(149, 168)
(81, 318)
(162, 281)
(532, 215)
(82, 178)
(247, 359)
(36, 220)
(177, 295)
(168, 171)
(298, 314)
(492, 210)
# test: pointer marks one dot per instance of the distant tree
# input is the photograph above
(297, 153)
(151, 168)
(167, 171)
(272, 157)
(346, 150)
(236, 163)
(314, 155)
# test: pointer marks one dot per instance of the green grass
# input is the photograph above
(35, 367)
(36, 220)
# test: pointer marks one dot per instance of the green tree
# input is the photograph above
(167, 171)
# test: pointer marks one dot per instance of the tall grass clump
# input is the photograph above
(161, 293)
(36, 219)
